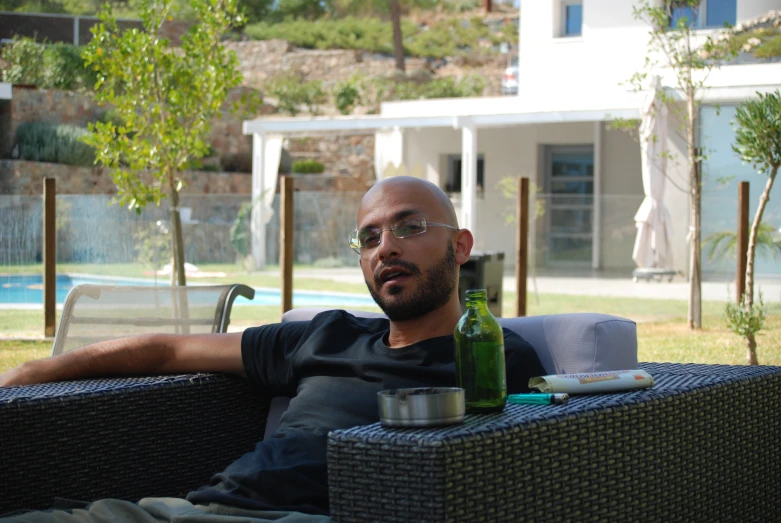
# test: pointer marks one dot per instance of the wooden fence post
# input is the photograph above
(742, 240)
(49, 257)
(286, 242)
(522, 253)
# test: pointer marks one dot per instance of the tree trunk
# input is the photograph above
(176, 237)
(695, 200)
(751, 349)
(748, 302)
(398, 45)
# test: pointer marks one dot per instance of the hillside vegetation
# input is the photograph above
(431, 29)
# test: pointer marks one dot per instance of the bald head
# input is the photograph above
(431, 196)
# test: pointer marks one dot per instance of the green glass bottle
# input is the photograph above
(480, 368)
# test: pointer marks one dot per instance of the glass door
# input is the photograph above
(570, 214)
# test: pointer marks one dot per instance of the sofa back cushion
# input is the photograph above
(565, 343)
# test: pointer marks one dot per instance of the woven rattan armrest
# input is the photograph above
(702, 445)
(123, 438)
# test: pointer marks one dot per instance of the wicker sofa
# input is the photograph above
(701, 445)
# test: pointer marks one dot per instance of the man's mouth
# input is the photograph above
(392, 275)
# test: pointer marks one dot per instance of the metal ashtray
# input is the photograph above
(421, 407)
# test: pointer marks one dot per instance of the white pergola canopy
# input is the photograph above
(389, 143)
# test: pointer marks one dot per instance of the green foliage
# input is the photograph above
(453, 37)
(48, 66)
(152, 247)
(445, 87)
(256, 10)
(33, 6)
(347, 93)
(770, 48)
(308, 167)
(237, 162)
(724, 243)
(460, 6)
(305, 9)
(445, 38)
(164, 97)
(25, 62)
(292, 93)
(763, 43)
(240, 234)
(347, 33)
(743, 322)
(758, 132)
(55, 143)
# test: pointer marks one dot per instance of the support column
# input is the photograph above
(469, 176)
(596, 213)
(258, 222)
(397, 147)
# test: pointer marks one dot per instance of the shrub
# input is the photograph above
(237, 163)
(445, 38)
(49, 66)
(347, 93)
(369, 34)
(25, 62)
(308, 167)
(291, 93)
(445, 87)
(46, 142)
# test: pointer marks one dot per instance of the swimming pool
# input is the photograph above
(26, 290)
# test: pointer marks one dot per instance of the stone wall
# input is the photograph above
(263, 59)
(65, 107)
(346, 155)
(26, 178)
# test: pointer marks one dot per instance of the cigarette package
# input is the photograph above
(593, 382)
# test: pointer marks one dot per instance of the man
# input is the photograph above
(410, 250)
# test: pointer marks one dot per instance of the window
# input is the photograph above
(453, 180)
(708, 14)
(571, 17)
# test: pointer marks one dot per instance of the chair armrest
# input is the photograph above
(579, 342)
(124, 438)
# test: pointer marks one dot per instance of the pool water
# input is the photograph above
(27, 289)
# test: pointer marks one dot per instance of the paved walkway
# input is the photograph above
(593, 284)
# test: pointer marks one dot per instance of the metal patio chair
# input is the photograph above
(95, 313)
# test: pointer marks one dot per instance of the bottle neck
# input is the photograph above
(476, 299)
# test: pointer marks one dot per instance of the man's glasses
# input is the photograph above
(371, 236)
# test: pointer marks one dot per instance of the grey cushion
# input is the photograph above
(579, 342)
(565, 343)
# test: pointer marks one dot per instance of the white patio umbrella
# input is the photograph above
(654, 228)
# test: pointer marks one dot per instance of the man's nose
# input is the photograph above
(389, 246)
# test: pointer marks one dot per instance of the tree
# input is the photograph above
(382, 8)
(672, 45)
(758, 142)
(165, 98)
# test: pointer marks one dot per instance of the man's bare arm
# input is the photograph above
(135, 356)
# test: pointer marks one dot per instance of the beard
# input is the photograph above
(436, 288)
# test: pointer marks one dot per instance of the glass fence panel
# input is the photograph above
(720, 220)
(95, 238)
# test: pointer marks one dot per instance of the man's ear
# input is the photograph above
(464, 243)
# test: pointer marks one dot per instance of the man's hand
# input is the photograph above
(15, 376)
(135, 356)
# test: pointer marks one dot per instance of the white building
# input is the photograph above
(574, 56)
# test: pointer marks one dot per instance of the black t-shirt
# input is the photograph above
(332, 366)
